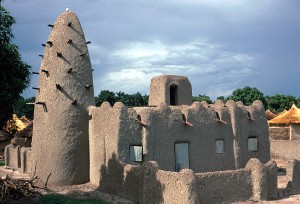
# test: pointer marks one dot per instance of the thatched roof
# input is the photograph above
(25, 133)
(270, 115)
(291, 116)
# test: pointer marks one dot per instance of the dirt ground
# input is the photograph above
(90, 191)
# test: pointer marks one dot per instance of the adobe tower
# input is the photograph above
(65, 90)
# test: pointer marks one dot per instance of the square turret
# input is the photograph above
(170, 89)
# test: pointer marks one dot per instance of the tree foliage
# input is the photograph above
(202, 98)
(127, 99)
(279, 103)
(14, 75)
(22, 108)
(248, 95)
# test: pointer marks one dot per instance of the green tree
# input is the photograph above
(14, 75)
(279, 102)
(105, 95)
(136, 99)
(202, 98)
(248, 95)
(22, 108)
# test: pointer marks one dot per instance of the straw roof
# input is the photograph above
(270, 115)
(291, 116)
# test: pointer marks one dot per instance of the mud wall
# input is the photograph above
(288, 149)
(279, 133)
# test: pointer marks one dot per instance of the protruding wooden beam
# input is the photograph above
(35, 73)
(70, 71)
(40, 103)
(58, 87)
(59, 54)
(44, 45)
(46, 72)
(35, 88)
(50, 43)
(41, 55)
(88, 86)
(184, 120)
(50, 25)
(88, 42)
(139, 119)
(43, 104)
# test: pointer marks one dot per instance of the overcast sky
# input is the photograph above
(219, 45)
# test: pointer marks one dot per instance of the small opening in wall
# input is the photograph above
(136, 153)
(218, 116)
(184, 120)
(183, 117)
(182, 156)
(220, 146)
(173, 95)
(252, 144)
(249, 116)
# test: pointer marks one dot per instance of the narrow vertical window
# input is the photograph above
(181, 156)
(136, 153)
(252, 144)
(220, 146)
(173, 95)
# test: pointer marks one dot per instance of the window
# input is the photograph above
(136, 153)
(252, 144)
(181, 156)
(220, 146)
(173, 95)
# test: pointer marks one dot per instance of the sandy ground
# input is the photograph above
(90, 191)
(84, 191)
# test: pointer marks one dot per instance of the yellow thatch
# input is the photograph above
(16, 124)
(270, 115)
(291, 116)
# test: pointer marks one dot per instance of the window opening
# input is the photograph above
(220, 146)
(173, 95)
(252, 144)
(136, 153)
(181, 156)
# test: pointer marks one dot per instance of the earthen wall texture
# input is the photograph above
(147, 183)
(288, 149)
(12, 157)
(293, 175)
(60, 134)
(114, 129)
(224, 186)
(295, 131)
(279, 133)
(25, 156)
(160, 90)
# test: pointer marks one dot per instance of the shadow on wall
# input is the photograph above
(138, 183)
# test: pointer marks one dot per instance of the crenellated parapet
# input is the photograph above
(157, 129)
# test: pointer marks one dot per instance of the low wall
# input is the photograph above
(293, 176)
(25, 156)
(288, 149)
(12, 157)
(146, 183)
(279, 133)
(224, 186)
(18, 158)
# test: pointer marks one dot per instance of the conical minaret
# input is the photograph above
(64, 92)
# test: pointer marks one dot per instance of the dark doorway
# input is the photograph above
(173, 95)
